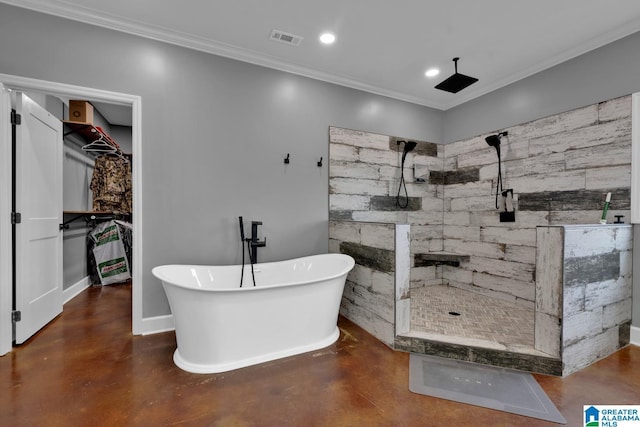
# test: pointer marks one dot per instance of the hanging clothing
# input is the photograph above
(111, 184)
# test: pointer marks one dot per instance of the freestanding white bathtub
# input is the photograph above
(221, 326)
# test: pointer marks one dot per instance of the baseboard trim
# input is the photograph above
(157, 324)
(635, 335)
(72, 291)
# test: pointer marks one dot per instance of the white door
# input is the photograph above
(38, 240)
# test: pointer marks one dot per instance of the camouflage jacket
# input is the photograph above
(111, 184)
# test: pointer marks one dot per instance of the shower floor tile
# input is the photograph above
(479, 317)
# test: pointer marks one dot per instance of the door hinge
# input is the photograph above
(16, 218)
(16, 118)
(16, 316)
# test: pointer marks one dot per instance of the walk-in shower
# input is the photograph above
(450, 252)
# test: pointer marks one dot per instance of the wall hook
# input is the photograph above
(320, 163)
(286, 160)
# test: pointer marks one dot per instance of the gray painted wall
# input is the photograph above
(214, 135)
(76, 176)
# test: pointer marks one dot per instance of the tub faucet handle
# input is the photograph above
(255, 243)
(259, 243)
(254, 235)
(254, 230)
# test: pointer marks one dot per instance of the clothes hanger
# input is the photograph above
(104, 144)
(100, 145)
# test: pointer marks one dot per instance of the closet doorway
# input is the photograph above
(96, 198)
(62, 91)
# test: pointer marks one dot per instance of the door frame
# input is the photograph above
(68, 91)
(6, 252)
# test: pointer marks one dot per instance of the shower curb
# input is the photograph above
(464, 352)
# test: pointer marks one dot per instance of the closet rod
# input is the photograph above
(87, 217)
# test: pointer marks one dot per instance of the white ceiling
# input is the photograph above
(382, 46)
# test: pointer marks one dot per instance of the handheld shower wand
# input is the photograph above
(241, 228)
(408, 146)
(241, 223)
(242, 240)
(494, 141)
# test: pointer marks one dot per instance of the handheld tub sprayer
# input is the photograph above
(242, 246)
(242, 240)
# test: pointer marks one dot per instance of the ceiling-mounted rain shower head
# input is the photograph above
(494, 140)
(457, 81)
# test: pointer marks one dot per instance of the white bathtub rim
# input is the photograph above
(216, 368)
(157, 272)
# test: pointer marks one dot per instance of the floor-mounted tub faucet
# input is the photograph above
(255, 243)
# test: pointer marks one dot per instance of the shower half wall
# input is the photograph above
(560, 169)
(583, 297)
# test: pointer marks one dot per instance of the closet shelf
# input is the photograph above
(94, 213)
(89, 133)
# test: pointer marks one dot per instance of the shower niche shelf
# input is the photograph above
(439, 258)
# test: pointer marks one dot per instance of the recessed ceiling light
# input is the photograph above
(327, 38)
(432, 72)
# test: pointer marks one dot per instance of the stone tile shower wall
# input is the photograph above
(584, 287)
(376, 293)
(364, 174)
(560, 169)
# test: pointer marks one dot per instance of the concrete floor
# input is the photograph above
(86, 369)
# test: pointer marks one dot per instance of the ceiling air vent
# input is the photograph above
(287, 38)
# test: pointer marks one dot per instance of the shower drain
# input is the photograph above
(454, 313)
